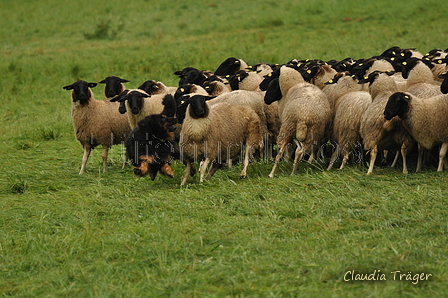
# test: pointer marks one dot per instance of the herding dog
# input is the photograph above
(151, 146)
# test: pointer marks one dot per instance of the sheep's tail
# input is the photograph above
(301, 131)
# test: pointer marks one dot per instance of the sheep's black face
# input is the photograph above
(184, 89)
(407, 66)
(229, 67)
(273, 92)
(113, 86)
(396, 105)
(81, 91)
(268, 78)
(198, 106)
(122, 108)
(135, 100)
(149, 87)
(235, 79)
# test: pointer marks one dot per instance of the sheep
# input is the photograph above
(187, 89)
(95, 122)
(346, 124)
(114, 86)
(263, 69)
(323, 75)
(230, 66)
(440, 64)
(304, 114)
(419, 78)
(348, 104)
(425, 119)
(215, 88)
(212, 131)
(192, 75)
(153, 87)
(376, 131)
(140, 104)
(243, 80)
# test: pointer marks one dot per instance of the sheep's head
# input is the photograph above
(268, 78)
(444, 86)
(273, 91)
(113, 86)
(397, 105)
(81, 91)
(229, 67)
(150, 86)
(134, 97)
(181, 91)
(408, 65)
(190, 75)
(238, 77)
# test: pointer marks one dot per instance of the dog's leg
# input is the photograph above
(85, 157)
(167, 170)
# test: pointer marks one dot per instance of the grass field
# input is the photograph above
(113, 235)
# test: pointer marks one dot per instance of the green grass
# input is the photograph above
(113, 235)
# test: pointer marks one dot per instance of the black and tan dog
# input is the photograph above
(151, 146)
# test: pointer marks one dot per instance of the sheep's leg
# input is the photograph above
(345, 159)
(373, 154)
(404, 152)
(246, 162)
(187, 171)
(297, 157)
(396, 158)
(203, 169)
(442, 154)
(215, 166)
(104, 155)
(85, 157)
(419, 158)
(335, 155)
(277, 159)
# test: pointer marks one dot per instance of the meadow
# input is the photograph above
(113, 235)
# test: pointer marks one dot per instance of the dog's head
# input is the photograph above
(159, 125)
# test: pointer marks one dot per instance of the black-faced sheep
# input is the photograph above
(95, 122)
(153, 87)
(304, 114)
(230, 66)
(212, 132)
(419, 78)
(349, 106)
(140, 104)
(191, 75)
(426, 119)
(114, 86)
(189, 89)
(243, 80)
(376, 131)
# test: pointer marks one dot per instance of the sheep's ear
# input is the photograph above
(102, 81)
(178, 73)
(121, 97)
(390, 72)
(91, 85)
(406, 97)
(124, 81)
(69, 87)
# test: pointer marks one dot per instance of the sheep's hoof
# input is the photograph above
(243, 177)
(270, 176)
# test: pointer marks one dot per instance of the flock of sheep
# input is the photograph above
(386, 103)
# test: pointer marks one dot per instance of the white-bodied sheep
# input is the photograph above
(140, 104)
(153, 87)
(211, 132)
(426, 119)
(419, 78)
(216, 87)
(243, 80)
(96, 122)
(376, 131)
(304, 114)
(230, 66)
